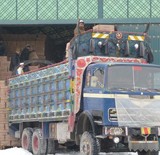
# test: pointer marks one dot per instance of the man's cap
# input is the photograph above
(21, 64)
(81, 21)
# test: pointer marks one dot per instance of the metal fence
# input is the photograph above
(63, 10)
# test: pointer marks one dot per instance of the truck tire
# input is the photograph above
(39, 145)
(89, 145)
(26, 139)
(148, 153)
(52, 146)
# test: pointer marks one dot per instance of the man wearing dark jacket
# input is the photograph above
(15, 60)
(79, 29)
(25, 56)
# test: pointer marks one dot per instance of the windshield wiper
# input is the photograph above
(152, 89)
(121, 89)
(146, 89)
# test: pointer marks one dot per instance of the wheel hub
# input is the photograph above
(25, 142)
(35, 142)
(86, 148)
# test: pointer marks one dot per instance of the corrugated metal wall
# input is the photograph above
(155, 41)
(154, 33)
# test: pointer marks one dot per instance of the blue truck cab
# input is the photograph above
(123, 102)
(105, 97)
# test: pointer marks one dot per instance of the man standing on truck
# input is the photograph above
(80, 29)
(25, 55)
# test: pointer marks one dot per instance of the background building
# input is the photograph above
(48, 24)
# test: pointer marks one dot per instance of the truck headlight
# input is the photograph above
(116, 140)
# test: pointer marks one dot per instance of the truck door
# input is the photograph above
(94, 84)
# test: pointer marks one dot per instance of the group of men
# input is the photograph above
(17, 65)
(18, 59)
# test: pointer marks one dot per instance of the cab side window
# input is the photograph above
(97, 79)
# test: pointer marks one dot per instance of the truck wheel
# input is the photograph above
(39, 145)
(148, 153)
(52, 146)
(26, 139)
(89, 145)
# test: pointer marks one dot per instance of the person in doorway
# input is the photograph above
(2, 48)
(20, 69)
(25, 56)
(15, 60)
(79, 29)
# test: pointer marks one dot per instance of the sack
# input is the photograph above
(33, 56)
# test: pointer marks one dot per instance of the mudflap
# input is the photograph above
(143, 145)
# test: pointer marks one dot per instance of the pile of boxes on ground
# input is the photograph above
(13, 41)
(5, 139)
(4, 68)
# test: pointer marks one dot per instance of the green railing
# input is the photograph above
(63, 11)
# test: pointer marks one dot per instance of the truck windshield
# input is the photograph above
(142, 78)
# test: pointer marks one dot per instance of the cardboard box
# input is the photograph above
(3, 92)
(4, 128)
(3, 104)
(3, 116)
(3, 58)
(2, 83)
(103, 28)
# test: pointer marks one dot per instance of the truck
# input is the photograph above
(104, 97)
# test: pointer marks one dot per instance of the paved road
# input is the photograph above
(75, 153)
(64, 151)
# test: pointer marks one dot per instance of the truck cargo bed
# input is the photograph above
(40, 95)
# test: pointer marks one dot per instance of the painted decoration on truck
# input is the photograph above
(80, 66)
(54, 69)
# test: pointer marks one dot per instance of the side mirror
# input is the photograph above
(142, 50)
(127, 53)
(149, 55)
(74, 52)
(92, 46)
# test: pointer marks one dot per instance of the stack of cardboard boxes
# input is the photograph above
(4, 68)
(19, 41)
(12, 42)
(5, 139)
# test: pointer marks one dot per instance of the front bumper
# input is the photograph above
(143, 145)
